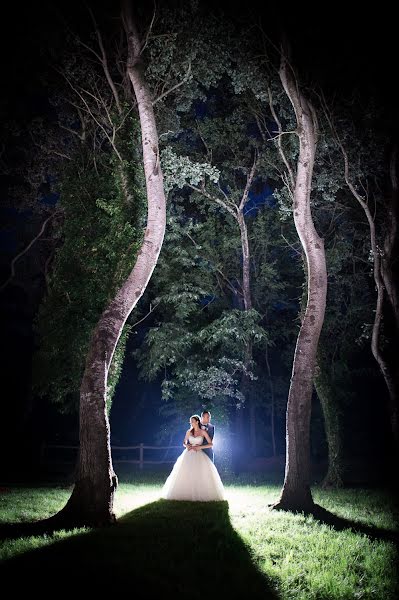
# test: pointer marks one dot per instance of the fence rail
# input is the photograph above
(140, 447)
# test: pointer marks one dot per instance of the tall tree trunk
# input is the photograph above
(332, 424)
(246, 286)
(237, 212)
(390, 277)
(389, 373)
(296, 493)
(385, 367)
(91, 502)
(390, 252)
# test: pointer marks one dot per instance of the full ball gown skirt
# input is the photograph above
(193, 477)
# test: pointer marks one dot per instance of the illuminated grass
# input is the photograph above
(242, 545)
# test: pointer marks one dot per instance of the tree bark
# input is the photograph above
(389, 373)
(385, 368)
(389, 274)
(246, 281)
(237, 212)
(91, 502)
(296, 493)
(389, 255)
(246, 286)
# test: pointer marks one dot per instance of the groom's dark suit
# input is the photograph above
(210, 429)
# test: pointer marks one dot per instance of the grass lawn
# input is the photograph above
(232, 549)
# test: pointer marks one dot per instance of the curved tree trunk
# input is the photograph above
(246, 287)
(390, 253)
(383, 278)
(237, 212)
(385, 367)
(246, 281)
(389, 274)
(389, 373)
(91, 502)
(296, 493)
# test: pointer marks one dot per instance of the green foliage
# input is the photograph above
(187, 45)
(214, 152)
(233, 331)
(198, 344)
(180, 170)
(101, 235)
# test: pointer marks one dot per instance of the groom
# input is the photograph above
(207, 426)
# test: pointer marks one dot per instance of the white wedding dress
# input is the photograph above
(193, 477)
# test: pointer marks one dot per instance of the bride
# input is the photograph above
(194, 476)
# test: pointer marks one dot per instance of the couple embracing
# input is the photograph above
(194, 476)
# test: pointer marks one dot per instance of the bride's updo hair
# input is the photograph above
(197, 418)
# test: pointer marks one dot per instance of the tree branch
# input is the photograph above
(104, 63)
(145, 316)
(90, 112)
(203, 192)
(250, 178)
(73, 131)
(149, 30)
(280, 147)
(175, 87)
(25, 250)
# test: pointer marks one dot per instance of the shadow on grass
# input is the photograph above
(340, 523)
(167, 547)
(13, 531)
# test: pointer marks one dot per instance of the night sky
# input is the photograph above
(340, 53)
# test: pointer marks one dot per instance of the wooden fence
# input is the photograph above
(140, 447)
